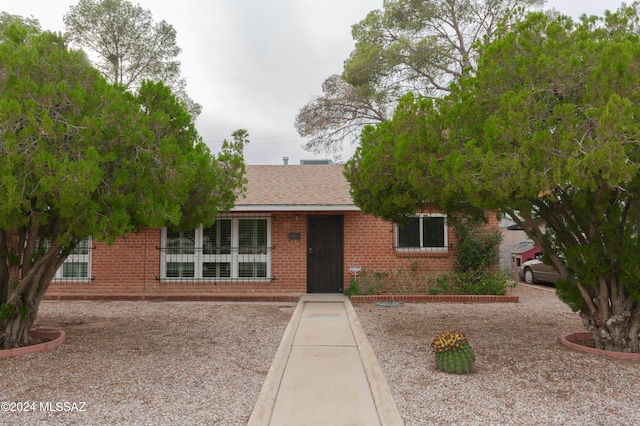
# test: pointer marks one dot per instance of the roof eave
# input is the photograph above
(294, 207)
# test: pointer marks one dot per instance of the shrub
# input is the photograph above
(478, 252)
(482, 282)
(477, 248)
(410, 281)
(366, 283)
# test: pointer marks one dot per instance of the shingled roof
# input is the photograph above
(293, 187)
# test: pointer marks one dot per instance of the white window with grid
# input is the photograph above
(233, 248)
(77, 267)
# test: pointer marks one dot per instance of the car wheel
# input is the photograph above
(528, 276)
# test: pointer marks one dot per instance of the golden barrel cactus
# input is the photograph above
(453, 353)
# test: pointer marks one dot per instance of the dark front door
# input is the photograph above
(325, 254)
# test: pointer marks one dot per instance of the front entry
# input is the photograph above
(325, 254)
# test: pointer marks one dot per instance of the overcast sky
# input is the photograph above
(252, 64)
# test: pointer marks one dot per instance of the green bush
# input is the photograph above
(354, 288)
(478, 252)
(366, 283)
(413, 280)
(482, 282)
(477, 248)
(434, 291)
(444, 284)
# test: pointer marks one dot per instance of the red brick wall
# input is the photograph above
(289, 257)
(132, 264)
(370, 243)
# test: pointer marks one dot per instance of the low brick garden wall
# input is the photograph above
(428, 298)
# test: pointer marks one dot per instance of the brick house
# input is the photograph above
(296, 231)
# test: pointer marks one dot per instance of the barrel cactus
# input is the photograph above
(453, 353)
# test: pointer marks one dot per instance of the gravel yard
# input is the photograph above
(148, 363)
(184, 363)
(522, 374)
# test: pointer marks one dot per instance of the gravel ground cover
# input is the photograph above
(146, 363)
(186, 363)
(522, 374)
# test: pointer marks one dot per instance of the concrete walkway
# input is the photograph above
(325, 372)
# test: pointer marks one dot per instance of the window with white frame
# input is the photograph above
(425, 232)
(77, 267)
(232, 248)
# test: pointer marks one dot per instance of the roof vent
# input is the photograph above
(315, 162)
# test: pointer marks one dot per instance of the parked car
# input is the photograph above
(534, 271)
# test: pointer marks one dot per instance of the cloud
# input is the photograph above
(253, 64)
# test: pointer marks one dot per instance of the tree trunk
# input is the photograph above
(14, 328)
(614, 318)
(19, 309)
(617, 334)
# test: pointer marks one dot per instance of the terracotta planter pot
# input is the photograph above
(573, 341)
(53, 337)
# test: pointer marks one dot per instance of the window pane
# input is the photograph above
(409, 234)
(180, 270)
(230, 248)
(83, 247)
(252, 270)
(217, 239)
(216, 270)
(181, 242)
(252, 236)
(433, 231)
(75, 270)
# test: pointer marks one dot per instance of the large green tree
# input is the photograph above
(128, 46)
(82, 157)
(417, 46)
(547, 131)
(31, 24)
